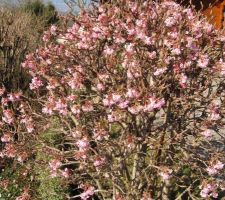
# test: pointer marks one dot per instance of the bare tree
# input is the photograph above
(20, 33)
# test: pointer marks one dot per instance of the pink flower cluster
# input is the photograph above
(209, 190)
(8, 116)
(88, 192)
(165, 173)
(36, 83)
(215, 168)
(99, 162)
(54, 165)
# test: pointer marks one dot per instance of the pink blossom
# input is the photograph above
(160, 71)
(35, 83)
(99, 162)
(55, 164)
(9, 150)
(75, 28)
(165, 174)
(48, 109)
(100, 134)
(211, 170)
(108, 101)
(103, 77)
(46, 37)
(97, 29)
(2, 91)
(189, 13)
(88, 192)
(149, 107)
(183, 80)
(176, 51)
(214, 114)
(22, 157)
(81, 154)
(170, 21)
(186, 64)
(48, 61)
(131, 32)
(204, 192)
(76, 81)
(147, 40)
(173, 34)
(61, 106)
(208, 28)
(4, 101)
(6, 137)
(53, 29)
(75, 109)
(14, 96)
(130, 48)
(25, 195)
(83, 144)
(100, 87)
(116, 97)
(29, 126)
(96, 35)
(134, 72)
(221, 65)
(133, 93)
(113, 117)
(71, 97)
(4, 184)
(154, 103)
(102, 18)
(159, 103)
(152, 55)
(108, 51)
(219, 165)
(203, 61)
(209, 190)
(123, 104)
(167, 43)
(87, 107)
(65, 173)
(53, 83)
(141, 23)
(214, 194)
(170, 5)
(136, 109)
(176, 68)
(207, 133)
(8, 116)
(214, 168)
(140, 34)
(120, 40)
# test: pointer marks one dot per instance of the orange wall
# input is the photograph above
(215, 14)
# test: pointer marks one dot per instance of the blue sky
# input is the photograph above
(60, 4)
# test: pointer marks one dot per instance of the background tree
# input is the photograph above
(45, 13)
(21, 27)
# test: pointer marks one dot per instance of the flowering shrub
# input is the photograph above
(139, 91)
(17, 136)
(16, 121)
